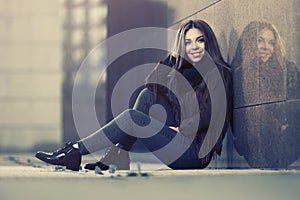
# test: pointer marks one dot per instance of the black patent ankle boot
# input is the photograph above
(113, 156)
(66, 156)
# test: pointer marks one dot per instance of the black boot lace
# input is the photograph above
(66, 145)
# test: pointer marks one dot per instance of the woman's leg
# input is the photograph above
(123, 130)
(171, 147)
(166, 144)
(146, 103)
(189, 159)
(145, 100)
(118, 154)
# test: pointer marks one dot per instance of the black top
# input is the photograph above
(194, 78)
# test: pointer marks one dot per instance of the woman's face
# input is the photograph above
(194, 45)
(265, 44)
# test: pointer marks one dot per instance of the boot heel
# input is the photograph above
(74, 164)
(70, 167)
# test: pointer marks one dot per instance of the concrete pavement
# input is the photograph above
(22, 176)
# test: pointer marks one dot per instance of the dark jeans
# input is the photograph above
(151, 126)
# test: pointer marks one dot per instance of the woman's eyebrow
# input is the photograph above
(201, 36)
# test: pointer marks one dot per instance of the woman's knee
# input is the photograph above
(133, 114)
(144, 100)
(146, 93)
(146, 90)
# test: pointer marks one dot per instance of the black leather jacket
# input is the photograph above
(162, 73)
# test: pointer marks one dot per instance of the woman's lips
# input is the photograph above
(263, 53)
(196, 54)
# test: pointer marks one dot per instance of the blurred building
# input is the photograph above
(42, 44)
(84, 27)
(31, 73)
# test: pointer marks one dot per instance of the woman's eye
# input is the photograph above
(200, 40)
(187, 42)
(272, 43)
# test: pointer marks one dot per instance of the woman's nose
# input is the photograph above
(195, 45)
(265, 45)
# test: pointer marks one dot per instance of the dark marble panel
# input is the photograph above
(259, 84)
(268, 135)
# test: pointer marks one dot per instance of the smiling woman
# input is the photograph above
(167, 112)
(260, 64)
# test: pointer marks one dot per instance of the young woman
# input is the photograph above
(176, 133)
(265, 82)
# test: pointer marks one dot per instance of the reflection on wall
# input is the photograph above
(266, 89)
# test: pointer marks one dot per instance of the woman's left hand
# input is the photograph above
(174, 128)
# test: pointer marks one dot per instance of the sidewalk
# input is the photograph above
(24, 177)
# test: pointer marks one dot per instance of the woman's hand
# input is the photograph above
(174, 128)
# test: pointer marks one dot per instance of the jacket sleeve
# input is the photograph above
(159, 75)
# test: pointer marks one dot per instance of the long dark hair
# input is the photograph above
(211, 47)
(211, 44)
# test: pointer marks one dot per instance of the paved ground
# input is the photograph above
(24, 177)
